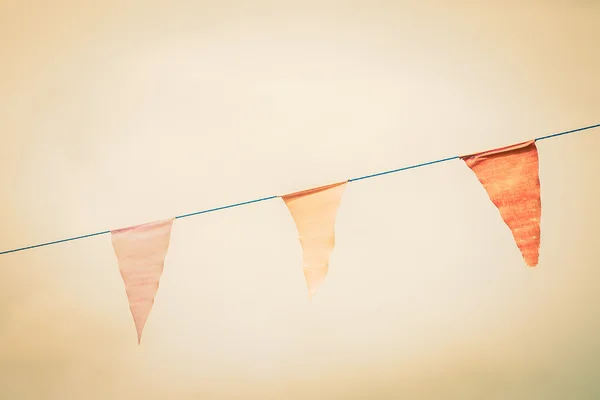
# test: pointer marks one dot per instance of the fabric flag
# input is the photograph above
(510, 175)
(141, 252)
(314, 211)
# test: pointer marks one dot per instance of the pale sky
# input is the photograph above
(113, 115)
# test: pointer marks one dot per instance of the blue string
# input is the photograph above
(567, 132)
(273, 197)
(224, 207)
(402, 169)
(55, 242)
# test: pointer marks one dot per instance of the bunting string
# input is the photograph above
(274, 197)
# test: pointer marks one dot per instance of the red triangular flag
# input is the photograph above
(141, 252)
(314, 212)
(510, 175)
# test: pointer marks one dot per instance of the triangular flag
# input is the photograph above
(314, 212)
(510, 175)
(141, 252)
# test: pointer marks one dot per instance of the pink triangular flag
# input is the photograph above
(141, 252)
(510, 175)
(314, 211)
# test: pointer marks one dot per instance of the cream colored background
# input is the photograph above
(115, 114)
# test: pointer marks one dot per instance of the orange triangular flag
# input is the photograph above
(314, 212)
(510, 175)
(141, 252)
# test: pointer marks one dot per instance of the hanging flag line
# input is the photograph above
(274, 197)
